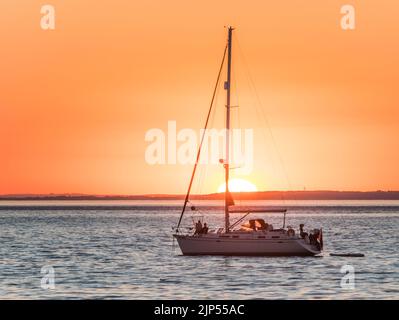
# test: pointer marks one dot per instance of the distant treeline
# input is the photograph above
(260, 195)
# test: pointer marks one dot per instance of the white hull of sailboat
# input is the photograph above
(211, 245)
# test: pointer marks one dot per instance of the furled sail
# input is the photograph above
(230, 200)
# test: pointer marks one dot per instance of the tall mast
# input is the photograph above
(227, 197)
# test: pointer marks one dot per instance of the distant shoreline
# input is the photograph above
(260, 195)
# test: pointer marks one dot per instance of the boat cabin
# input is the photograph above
(255, 225)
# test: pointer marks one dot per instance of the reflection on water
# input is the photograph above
(130, 254)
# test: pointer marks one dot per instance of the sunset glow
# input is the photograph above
(76, 102)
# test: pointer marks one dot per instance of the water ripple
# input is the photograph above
(120, 254)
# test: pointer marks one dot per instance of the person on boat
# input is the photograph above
(205, 229)
(313, 237)
(316, 235)
(301, 232)
(198, 227)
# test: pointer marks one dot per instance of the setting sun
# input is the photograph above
(238, 185)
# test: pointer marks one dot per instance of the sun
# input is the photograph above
(238, 185)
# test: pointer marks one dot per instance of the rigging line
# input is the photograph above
(264, 116)
(204, 172)
(237, 98)
(259, 106)
(237, 114)
(197, 212)
(202, 139)
(256, 108)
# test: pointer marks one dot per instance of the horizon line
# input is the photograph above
(203, 195)
(149, 194)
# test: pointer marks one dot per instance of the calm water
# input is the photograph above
(125, 251)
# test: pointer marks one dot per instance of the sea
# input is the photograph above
(125, 250)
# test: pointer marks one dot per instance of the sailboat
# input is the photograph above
(254, 237)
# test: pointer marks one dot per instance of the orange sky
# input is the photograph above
(76, 102)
